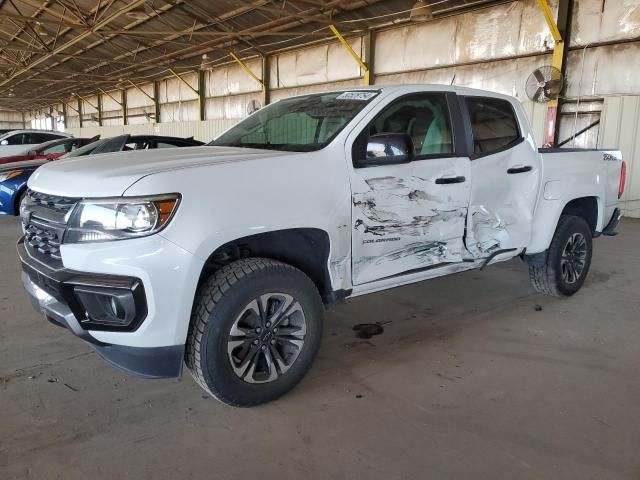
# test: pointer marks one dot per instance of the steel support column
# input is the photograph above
(266, 74)
(125, 119)
(202, 92)
(156, 99)
(558, 29)
(99, 96)
(369, 45)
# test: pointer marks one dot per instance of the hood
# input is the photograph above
(110, 174)
(30, 165)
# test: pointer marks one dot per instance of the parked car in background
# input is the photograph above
(123, 143)
(17, 141)
(14, 176)
(13, 184)
(49, 150)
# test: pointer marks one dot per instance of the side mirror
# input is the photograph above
(4, 142)
(32, 153)
(388, 149)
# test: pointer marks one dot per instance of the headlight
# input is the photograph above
(119, 218)
(7, 175)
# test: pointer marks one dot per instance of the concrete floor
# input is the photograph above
(469, 380)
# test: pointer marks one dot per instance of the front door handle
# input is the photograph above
(449, 180)
(520, 169)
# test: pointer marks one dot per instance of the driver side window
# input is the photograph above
(423, 117)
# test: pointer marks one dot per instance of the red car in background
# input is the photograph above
(49, 150)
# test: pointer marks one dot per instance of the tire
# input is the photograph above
(563, 268)
(230, 337)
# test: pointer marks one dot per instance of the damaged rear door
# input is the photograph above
(505, 167)
(409, 208)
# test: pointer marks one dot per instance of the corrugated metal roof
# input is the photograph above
(51, 49)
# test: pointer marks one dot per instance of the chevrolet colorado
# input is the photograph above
(223, 256)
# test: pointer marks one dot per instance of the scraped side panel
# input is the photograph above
(408, 222)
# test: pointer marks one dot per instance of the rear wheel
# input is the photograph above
(562, 270)
(255, 330)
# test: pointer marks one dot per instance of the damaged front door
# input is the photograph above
(409, 208)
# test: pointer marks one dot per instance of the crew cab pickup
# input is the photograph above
(223, 256)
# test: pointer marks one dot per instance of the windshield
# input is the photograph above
(299, 124)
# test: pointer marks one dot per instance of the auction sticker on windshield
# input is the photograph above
(356, 95)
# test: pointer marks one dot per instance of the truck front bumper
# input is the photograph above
(52, 293)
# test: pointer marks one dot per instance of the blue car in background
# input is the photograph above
(14, 176)
(13, 184)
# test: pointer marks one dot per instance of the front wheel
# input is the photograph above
(255, 329)
(562, 270)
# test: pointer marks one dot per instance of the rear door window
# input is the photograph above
(43, 137)
(493, 124)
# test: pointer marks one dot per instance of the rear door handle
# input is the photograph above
(448, 180)
(520, 169)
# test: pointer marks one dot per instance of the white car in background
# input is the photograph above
(17, 141)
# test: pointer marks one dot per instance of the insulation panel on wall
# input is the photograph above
(620, 129)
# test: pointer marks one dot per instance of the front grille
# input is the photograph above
(44, 221)
(44, 239)
(58, 204)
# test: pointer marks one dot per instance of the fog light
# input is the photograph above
(106, 307)
(116, 308)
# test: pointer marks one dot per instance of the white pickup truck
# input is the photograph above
(224, 256)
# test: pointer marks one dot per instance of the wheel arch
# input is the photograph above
(307, 249)
(16, 199)
(588, 207)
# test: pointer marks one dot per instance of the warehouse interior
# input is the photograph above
(475, 375)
